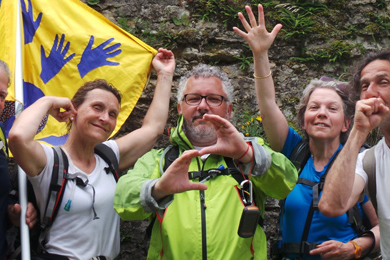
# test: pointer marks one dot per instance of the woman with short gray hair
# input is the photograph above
(324, 115)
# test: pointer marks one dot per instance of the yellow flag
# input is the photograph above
(66, 43)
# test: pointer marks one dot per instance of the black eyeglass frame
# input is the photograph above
(206, 98)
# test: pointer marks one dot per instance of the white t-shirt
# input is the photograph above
(382, 157)
(75, 233)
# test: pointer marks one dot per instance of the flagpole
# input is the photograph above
(24, 231)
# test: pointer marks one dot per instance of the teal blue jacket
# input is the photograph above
(203, 224)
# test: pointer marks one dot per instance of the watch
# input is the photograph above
(358, 249)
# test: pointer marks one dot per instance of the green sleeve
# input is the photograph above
(127, 195)
(280, 178)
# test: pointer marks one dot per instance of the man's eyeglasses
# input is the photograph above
(213, 100)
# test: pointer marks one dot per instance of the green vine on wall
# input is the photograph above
(302, 21)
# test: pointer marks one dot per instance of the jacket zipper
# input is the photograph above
(203, 216)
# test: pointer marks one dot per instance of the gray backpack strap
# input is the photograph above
(369, 166)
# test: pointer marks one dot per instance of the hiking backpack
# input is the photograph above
(60, 177)
(299, 157)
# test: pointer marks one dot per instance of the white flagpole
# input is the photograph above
(24, 232)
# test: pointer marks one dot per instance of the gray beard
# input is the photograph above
(199, 134)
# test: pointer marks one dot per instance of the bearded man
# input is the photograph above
(197, 203)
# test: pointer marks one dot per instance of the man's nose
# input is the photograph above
(372, 91)
(203, 104)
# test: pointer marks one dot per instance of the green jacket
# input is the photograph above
(203, 224)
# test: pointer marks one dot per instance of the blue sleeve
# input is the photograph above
(293, 138)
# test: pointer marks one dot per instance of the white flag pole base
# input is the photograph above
(25, 234)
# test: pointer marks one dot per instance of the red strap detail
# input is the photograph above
(251, 168)
(58, 198)
(242, 156)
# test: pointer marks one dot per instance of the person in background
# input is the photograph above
(90, 228)
(349, 176)
(198, 201)
(324, 115)
(9, 212)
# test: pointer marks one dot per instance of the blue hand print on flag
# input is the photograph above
(52, 64)
(30, 26)
(32, 93)
(97, 57)
(69, 44)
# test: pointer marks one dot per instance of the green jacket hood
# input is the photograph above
(177, 135)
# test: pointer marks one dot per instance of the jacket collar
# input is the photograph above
(177, 135)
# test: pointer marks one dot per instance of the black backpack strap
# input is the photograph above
(57, 185)
(233, 171)
(56, 191)
(307, 182)
(170, 154)
(108, 155)
(314, 206)
(356, 220)
(60, 177)
(298, 248)
(304, 247)
(300, 155)
(321, 184)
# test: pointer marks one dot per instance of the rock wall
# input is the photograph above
(319, 37)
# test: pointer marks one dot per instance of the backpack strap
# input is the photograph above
(299, 161)
(57, 186)
(56, 192)
(300, 155)
(108, 155)
(59, 178)
(369, 166)
(170, 154)
(356, 220)
(314, 206)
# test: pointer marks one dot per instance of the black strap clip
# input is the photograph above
(306, 247)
